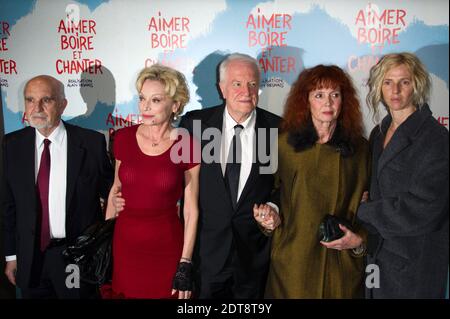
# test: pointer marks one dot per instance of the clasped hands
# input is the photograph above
(266, 216)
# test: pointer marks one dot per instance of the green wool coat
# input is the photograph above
(312, 183)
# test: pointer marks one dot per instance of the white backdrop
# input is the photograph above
(99, 57)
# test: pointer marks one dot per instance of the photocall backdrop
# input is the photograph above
(97, 48)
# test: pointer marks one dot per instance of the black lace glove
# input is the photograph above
(183, 277)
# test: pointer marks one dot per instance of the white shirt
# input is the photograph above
(58, 179)
(248, 135)
(247, 141)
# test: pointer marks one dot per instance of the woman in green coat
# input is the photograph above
(322, 169)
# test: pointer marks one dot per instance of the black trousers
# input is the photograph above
(233, 282)
(50, 279)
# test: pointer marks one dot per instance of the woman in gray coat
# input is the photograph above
(407, 215)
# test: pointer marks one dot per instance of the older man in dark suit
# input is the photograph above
(54, 177)
(232, 252)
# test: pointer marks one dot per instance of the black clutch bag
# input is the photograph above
(92, 252)
(329, 228)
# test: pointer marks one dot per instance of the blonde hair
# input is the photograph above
(420, 78)
(174, 83)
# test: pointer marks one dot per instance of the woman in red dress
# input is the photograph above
(152, 249)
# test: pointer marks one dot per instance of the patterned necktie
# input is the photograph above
(43, 181)
(233, 168)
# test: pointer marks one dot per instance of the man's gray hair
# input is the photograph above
(59, 86)
(237, 57)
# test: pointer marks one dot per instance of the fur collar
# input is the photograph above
(306, 137)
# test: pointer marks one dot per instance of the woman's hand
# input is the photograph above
(350, 240)
(182, 282)
(266, 216)
(365, 197)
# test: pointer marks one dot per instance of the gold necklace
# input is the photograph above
(154, 144)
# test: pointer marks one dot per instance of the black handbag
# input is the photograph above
(329, 228)
(92, 252)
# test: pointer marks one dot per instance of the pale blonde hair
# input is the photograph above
(174, 83)
(420, 78)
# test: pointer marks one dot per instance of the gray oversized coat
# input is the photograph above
(407, 216)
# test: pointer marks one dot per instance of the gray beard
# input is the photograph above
(46, 124)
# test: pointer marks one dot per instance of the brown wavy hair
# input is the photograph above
(297, 113)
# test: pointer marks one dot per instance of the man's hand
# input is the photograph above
(10, 271)
(266, 216)
(117, 200)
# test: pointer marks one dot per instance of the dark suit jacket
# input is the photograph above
(408, 212)
(221, 228)
(89, 177)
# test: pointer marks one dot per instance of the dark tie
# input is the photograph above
(43, 179)
(233, 168)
